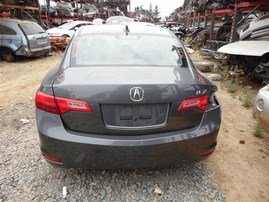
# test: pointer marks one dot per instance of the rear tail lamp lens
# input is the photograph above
(46, 103)
(58, 105)
(66, 105)
(199, 102)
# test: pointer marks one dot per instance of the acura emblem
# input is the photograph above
(136, 94)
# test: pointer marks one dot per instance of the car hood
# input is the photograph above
(251, 48)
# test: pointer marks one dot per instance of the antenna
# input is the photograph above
(126, 30)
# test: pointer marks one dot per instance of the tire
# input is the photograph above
(9, 56)
(204, 66)
(47, 54)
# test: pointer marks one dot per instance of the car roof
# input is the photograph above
(17, 21)
(106, 29)
(71, 24)
(118, 19)
(78, 22)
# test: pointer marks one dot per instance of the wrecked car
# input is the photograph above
(22, 38)
(262, 107)
(65, 9)
(88, 11)
(252, 51)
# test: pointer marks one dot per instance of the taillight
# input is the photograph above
(46, 103)
(66, 105)
(58, 105)
(199, 102)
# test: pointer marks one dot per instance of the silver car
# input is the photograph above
(22, 38)
(65, 9)
(262, 107)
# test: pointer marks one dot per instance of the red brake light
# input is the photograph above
(46, 103)
(66, 105)
(199, 102)
(58, 105)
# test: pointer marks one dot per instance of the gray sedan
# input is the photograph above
(262, 107)
(126, 96)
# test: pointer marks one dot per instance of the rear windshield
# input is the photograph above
(31, 28)
(102, 49)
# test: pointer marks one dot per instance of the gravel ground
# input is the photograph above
(25, 175)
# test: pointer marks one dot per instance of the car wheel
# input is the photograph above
(9, 56)
(47, 54)
(204, 66)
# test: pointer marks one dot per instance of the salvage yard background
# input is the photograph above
(237, 170)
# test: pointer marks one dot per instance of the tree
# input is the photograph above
(150, 11)
(156, 14)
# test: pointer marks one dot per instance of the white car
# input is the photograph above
(44, 3)
(118, 20)
(67, 29)
(262, 107)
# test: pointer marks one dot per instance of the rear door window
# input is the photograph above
(31, 28)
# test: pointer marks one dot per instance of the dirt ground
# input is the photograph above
(240, 170)
(21, 79)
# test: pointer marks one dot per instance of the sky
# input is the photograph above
(166, 7)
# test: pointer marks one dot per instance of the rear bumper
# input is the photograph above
(79, 155)
(79, 150)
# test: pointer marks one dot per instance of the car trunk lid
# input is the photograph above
(131, 99)
(37, 37)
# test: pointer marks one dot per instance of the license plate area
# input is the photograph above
(135, 115)
(42, 40)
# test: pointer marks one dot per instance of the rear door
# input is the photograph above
(37, 37)
(10, 38)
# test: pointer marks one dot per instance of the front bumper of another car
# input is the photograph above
(95, 151)
(262, 109)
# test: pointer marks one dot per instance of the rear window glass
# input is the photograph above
(102, 49)
(31, 28)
